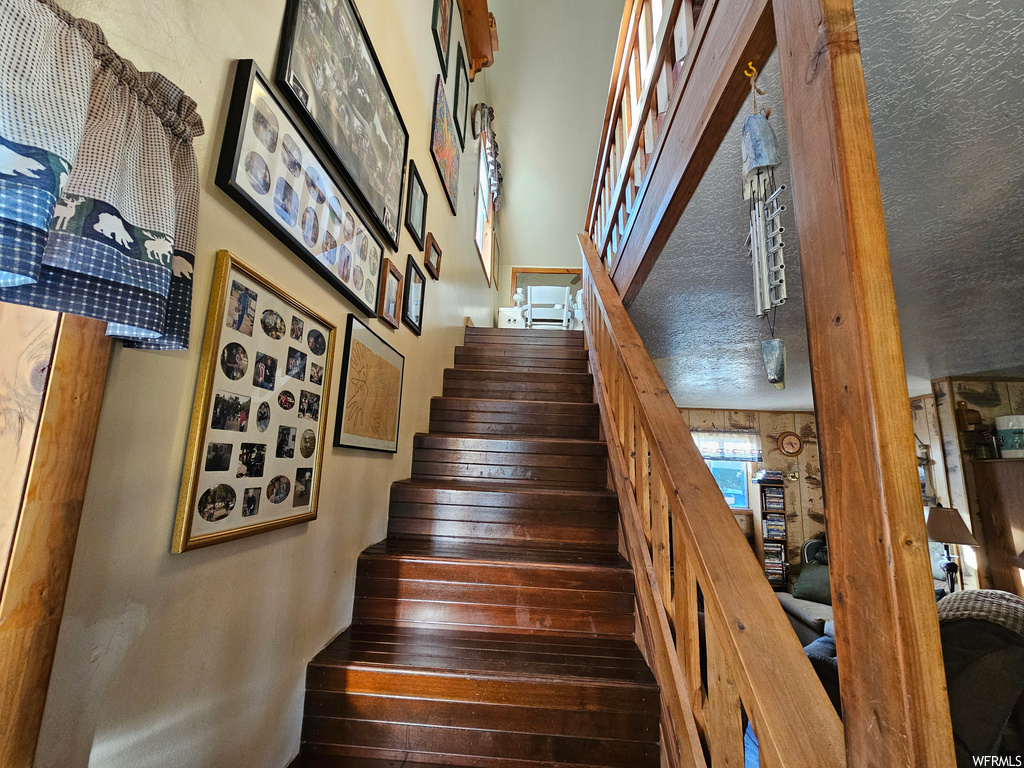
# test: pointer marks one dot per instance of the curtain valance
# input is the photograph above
(99, 189)
(490, 140)
(728, 445)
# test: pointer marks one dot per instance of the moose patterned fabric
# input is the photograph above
(99, 186)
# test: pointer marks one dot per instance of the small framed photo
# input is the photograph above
(461, 103)
(442, 29)
(255, 446)
(370, 396)
(416, 206)
(432, 257)
(268, 167)
(412, 303)
(389, 304)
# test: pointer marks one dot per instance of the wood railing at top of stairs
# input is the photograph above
(681, 537)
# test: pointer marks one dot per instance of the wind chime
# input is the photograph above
(765, 245)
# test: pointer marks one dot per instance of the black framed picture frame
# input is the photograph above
(416, 206)
(441, 26)
(461, 104)
(329, 71)
(370, 396)
(444, 146)
(412, 300)
(269, 167)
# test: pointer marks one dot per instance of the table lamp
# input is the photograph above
(946, 527)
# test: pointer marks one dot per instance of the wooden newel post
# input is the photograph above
(895, 708)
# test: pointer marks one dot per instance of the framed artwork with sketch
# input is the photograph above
(255, 445)
(370, 395)
(330, 73)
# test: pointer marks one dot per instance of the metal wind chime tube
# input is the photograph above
(764, 241)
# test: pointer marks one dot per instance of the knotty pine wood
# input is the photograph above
(1000, 486)
(28, 335)
(40, 562)
(895, 709)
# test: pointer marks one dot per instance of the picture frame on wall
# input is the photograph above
(461, 102)
(370, 396)
(269, 167)
(416, 206)
(389, 306)
(441, 26)
(443, 146)
(432, 257)
(255, 448)
(329, 71)
(412, 301)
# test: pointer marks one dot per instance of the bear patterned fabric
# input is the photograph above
(99, 186)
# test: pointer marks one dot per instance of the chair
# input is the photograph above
(547, 305)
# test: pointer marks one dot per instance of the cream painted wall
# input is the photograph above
(549, 95)
(198, 660)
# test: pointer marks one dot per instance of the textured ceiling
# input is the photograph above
(946, 93)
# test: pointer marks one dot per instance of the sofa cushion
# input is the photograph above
(812, 583)
(811, 614)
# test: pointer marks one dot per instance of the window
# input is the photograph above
(730, 456)
(733, 478)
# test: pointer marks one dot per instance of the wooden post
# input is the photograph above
(32, 600)
(895, 708)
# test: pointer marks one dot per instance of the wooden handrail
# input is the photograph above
(753, 657)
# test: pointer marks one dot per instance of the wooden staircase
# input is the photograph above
(494, 626)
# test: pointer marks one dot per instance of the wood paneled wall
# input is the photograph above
(804, 507)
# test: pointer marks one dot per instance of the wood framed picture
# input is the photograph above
(416, 206)
(461, 104)
(412, 301)
(329, 70)
(444, 147)
(255, 446)
(389, 304)
(370, 396)
(432, 257)
(269, 168)
(441, 26)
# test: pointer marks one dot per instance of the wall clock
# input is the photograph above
(791, 444)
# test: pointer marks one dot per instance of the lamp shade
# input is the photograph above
(947, 527)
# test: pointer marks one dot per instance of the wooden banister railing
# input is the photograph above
(653, 40)
(683, 542)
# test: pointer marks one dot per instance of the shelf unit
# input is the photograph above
(771, 530)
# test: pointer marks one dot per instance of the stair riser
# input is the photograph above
(485, 716)
(519, 351)
(398, 758)
(589, 478)
(569, 502)
(517, 395)
(554, 693)
(433, 526)
(439, 425)
(488, 596)
(469, 572)
(518, 366)
(481, 744)
(534, 337)
(545, 390)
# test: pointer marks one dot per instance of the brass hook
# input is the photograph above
(751, 70)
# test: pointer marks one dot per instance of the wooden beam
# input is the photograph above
(711, 91)
(895, 708)
(33, 596)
